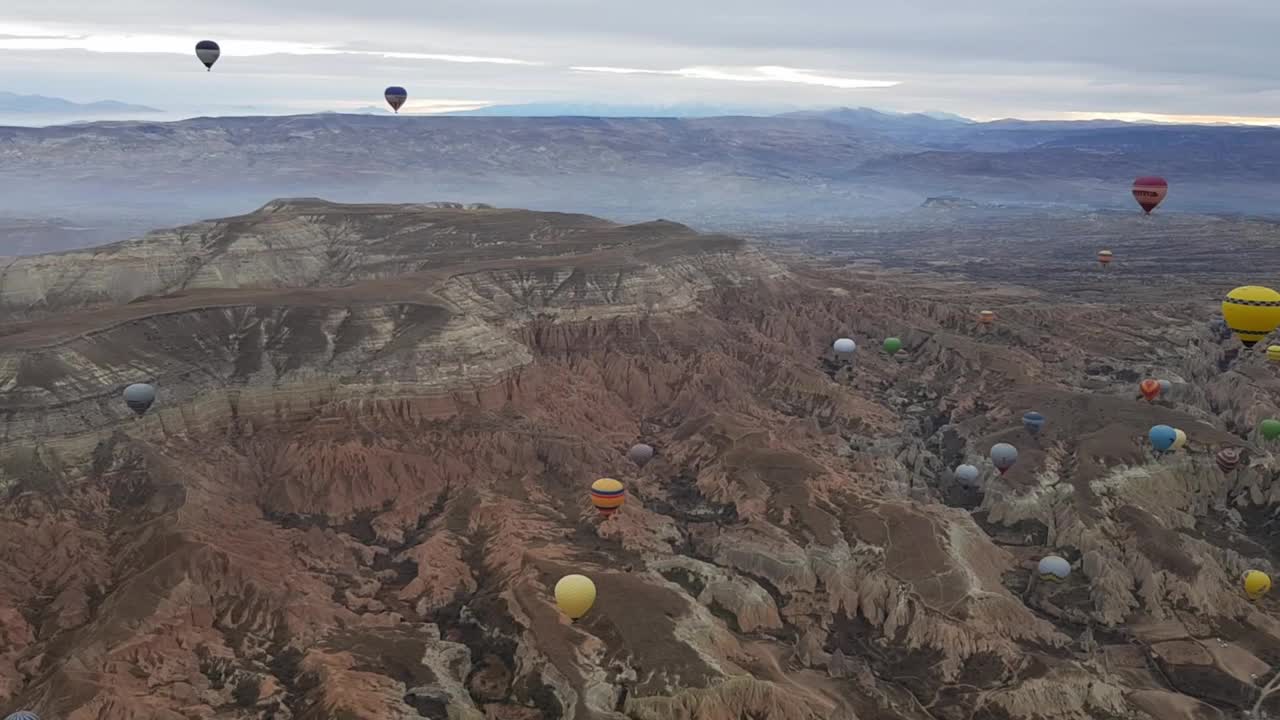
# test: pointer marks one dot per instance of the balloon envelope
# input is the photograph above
(607, 495)
(986, 317)
(139, 397)
(1150, 192)
(967, 476)
(1003, 456)
(640, 453)
(208, 51)
(1228, 459)
(1054, 568)
(1162, 437)
(1270, 428)
(22, 715)
(1256, 584)
(844, 346)
(1251, 312)
(1165, 387)
(1033, 421)
(575, 594)
(892, 345)
(1104, 257)
(395, 96)
(1150, 388)
(1273, 353)
(1180, 439)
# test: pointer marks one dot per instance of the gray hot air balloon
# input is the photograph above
(1003, 456)
(1165, 387)
(1054, 569)
(139, 397)
(23, 715)
(967, 476)
(844, 348)
(208, 51)
(1033, 421)
(640, 453)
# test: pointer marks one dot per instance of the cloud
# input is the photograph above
(767, 73)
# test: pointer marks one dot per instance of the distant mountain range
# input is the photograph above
(42, 105)
(718, 172)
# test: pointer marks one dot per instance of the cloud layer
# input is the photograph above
(988, 58)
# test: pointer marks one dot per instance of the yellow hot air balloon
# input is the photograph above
(1251, 312)
(1273, 353)
(575, 594)
(1256, 584)
(1179, 438)
(607, 495)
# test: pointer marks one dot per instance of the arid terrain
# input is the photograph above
(377, 425)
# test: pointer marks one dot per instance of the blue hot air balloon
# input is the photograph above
(1033, 421)
(395, 96)
(1162, 437)
(23, 715)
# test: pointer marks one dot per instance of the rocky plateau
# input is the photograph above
(377, 424)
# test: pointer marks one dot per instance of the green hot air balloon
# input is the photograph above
(1270, 428)
(892, 345)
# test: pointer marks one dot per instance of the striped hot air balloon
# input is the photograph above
(986, 317)
(1104, 257)
(1149, 192)
(607, 495)
(207, 52)
(1273, 353)
(395, 96)
(1228, 459)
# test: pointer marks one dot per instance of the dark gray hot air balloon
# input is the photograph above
(1054, 568)
(395, 96)
(208, 52)
(139, 397)
(1003, 456)
(967, 476)
(1033, 421)
(640, 454)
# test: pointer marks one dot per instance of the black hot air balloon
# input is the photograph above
(208, 52)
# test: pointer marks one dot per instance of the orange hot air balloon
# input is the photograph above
(1149, 192)
(607, 495)
(1104, 257)
(1150, 389)
(986, 317)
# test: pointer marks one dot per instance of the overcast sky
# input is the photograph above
(980, 58)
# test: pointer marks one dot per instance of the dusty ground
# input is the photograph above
(353, 501)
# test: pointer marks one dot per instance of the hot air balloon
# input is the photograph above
(1165, 387)
(986, 317)
(1162, 437)
(139, 397)
(902, 356)
(1054, 569)
(1179, 440)
(208, 51)
(1228, 459)
(1003, 456)
(1104, 257)
(1273, 353)
(1270, 428)
(395, 96)
(640, 454)
(607, 495)
(1149, 192)
(1256, 584)
(844, 348)
(22, 715)
(966, 476)
(892, 345)
(1150, 388)
(1033, 421)
(1251, 312)
(575, 594)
